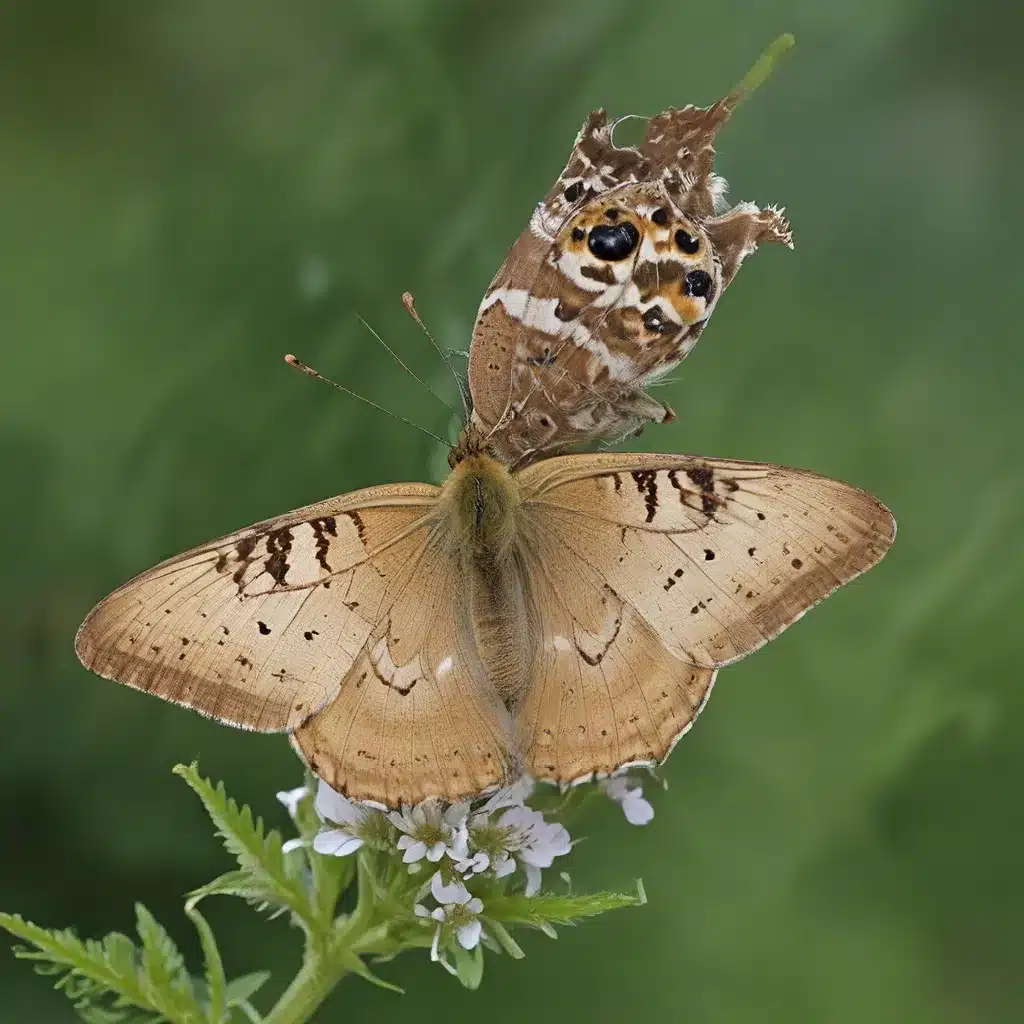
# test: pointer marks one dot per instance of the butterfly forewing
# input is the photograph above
(716, 556)
(259, 628)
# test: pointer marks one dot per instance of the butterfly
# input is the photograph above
(612, 282)
(565, 619)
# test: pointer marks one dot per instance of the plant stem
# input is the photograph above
(311, 986)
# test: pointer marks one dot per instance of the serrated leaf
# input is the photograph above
(90, 973)
(213, 966)
(548, 908)
(268, 880)
(244, 987)
(163, 974)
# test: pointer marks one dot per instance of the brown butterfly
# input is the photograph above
(565, 619)
(612, 282)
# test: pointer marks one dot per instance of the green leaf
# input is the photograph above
(163, 974)
(356, 965)
(245, 987)
(216, 983)
(504, 938)
(469, 965)
(263, 877)
(105, 980)
(547, 908)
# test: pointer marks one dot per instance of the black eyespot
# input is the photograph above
(578, 234)
(698, 283)
(660, 216)
(655, 320)
(613, 243)
(612, 214)
(687, 242)
(574, 191)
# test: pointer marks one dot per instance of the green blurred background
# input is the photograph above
(189, 190)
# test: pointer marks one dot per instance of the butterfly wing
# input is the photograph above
(653, 570)
(343, 608)
(610, 285)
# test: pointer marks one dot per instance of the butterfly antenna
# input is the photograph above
(394, 355)
(298, 364)
(410, 304)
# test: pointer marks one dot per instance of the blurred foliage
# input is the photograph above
(189, 190)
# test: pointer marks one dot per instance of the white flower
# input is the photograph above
(478, 862)
(630, 797)
(458, 911)
(291, 798)
(430, 831)
(352, 818)
(519, 834)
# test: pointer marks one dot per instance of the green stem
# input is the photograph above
(310, 987)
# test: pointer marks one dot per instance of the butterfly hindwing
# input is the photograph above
(716, 556)
(605, 691)
(416, 716)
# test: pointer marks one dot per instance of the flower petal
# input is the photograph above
(332, 806)
(468, 934)
(637, 810)
(291, 798)
(532, 879)
(414, 852)
(454, 892)
(336, 842)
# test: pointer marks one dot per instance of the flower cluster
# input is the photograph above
(475, 848)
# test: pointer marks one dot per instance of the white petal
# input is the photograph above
(456, 814)
(438, 914)
(504, 867)
(291, 798)
(532, 879)
(421, 911)
(414, 852)
(336, 842)
(398, 820)
(637, 810)
(475, 905)
(468, 934)
(332, 806)
(454, 892)
(459, 844)
(617, 789)
(436, 852)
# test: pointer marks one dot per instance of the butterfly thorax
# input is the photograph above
(479, 509)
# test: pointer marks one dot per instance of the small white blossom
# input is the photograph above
(518, 834)
(291, 798)
(428, 830)
(457, 910)
(629, 795)
(351, 819)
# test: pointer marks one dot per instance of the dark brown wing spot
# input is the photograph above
(264, 628)
(279, 544)
(357, 519)
(647, 484)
